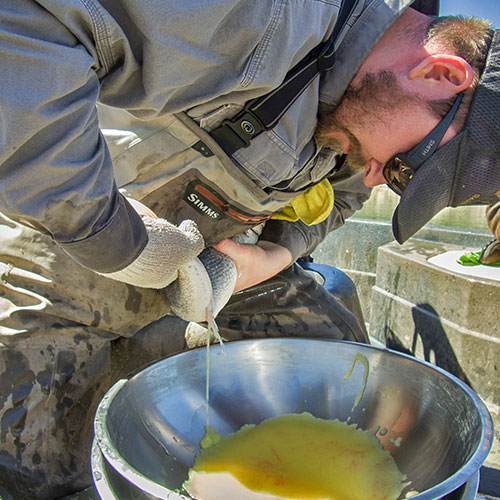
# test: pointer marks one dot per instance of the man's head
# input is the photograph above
(403, 89)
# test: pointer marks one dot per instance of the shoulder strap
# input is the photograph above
(264, 112)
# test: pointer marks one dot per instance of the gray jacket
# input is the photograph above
(154, 58)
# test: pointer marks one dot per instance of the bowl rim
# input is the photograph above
(459, 478)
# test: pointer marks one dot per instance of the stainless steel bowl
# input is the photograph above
(147, 428)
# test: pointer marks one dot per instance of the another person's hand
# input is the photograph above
(255, 263)
(490, 253)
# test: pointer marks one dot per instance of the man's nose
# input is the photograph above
(373, 175)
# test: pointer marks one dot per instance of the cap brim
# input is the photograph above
(427, 193)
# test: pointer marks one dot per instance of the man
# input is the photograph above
(88, 272)
(443, 75)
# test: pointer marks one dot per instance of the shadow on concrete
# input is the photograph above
(435, 344)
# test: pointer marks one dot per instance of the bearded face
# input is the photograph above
(368, 106)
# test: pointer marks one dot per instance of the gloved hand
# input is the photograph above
(206, 282)
(490, 253)
(168, 249)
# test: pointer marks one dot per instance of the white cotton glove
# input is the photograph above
(168, 249)
(196, 280)
(205, 283)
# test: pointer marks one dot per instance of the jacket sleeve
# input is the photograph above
(55, 170)
(302, 240)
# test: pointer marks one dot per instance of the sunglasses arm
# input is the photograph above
(430, 143)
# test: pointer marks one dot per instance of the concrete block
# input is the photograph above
(383, 202)
(447, 319)
(353, 249)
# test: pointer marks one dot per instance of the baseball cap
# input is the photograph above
(466, 170)
(429, 7)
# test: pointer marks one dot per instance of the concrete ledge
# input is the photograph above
(353, 249)
(404, 271)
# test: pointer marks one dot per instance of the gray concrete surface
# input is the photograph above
(353, 249)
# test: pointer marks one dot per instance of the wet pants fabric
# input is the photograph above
(67, 334)
(291, 304)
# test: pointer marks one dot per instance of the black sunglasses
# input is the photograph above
(399, 170)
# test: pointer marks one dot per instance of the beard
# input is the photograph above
(365, 105)
(355, 159)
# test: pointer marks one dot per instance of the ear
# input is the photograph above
(441, 75)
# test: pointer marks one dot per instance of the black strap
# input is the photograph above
(264, 112)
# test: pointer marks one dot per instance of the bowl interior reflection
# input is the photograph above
(435, 427)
